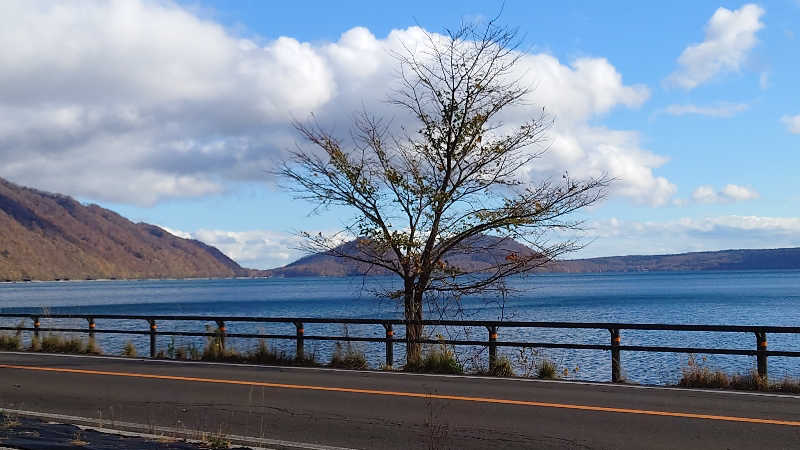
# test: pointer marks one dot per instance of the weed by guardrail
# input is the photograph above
(697, 374)
(55, 343)
(546, 369)
(129, 350)
(438, 358)
(348, 356)
(10, 342)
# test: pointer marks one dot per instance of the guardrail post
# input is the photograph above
(36, 325)
(389, 345)
(300, 353)
(221, 333)
(761, 356)
(616, 370)
(91, 327)
(492, 347)
(153, 329)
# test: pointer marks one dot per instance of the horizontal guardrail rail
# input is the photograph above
(615, 346)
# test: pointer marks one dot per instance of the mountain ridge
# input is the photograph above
(320, 264)
(48, 236)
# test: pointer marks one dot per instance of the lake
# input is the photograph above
(726, 298)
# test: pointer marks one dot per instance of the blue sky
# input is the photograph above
(172, 113)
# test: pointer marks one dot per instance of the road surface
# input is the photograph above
(323, 408)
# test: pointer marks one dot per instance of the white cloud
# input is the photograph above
(719, 110)
(615, 237)
(792, 123)
(730, 35)
(729, 193)
(739, 193)
(705, 194)
(255, 249)
(139, 101)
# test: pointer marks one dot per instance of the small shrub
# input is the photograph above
(348, 357)
(129, 350)
(546, 369)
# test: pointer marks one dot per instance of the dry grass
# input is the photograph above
(348, 356)
(437, 359)
(546, 369)
(696, 374)
(502, 368)
(129, 350)
(531, 362)
(55, 343)
(262, 354)
(10, 342)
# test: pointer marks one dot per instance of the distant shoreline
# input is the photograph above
(283, 277)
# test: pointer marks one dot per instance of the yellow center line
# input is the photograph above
(413, 395)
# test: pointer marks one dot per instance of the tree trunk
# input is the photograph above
(413, 312)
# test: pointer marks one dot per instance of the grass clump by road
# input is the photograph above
(216, 350)
(503, 367)
(348, 356)
(129, 350)
(10, 342)
(696, 374)
(56, 343)
(546, 370)
(437, 359)
(267, 354)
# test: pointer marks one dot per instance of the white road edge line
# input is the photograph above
(430, 375)
(245, 440)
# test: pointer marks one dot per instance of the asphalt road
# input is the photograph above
(382, 410)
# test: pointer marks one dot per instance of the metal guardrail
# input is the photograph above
(615, 346)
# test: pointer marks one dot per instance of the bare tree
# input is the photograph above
(451, 187)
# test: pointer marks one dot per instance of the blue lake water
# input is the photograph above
(728, 298)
